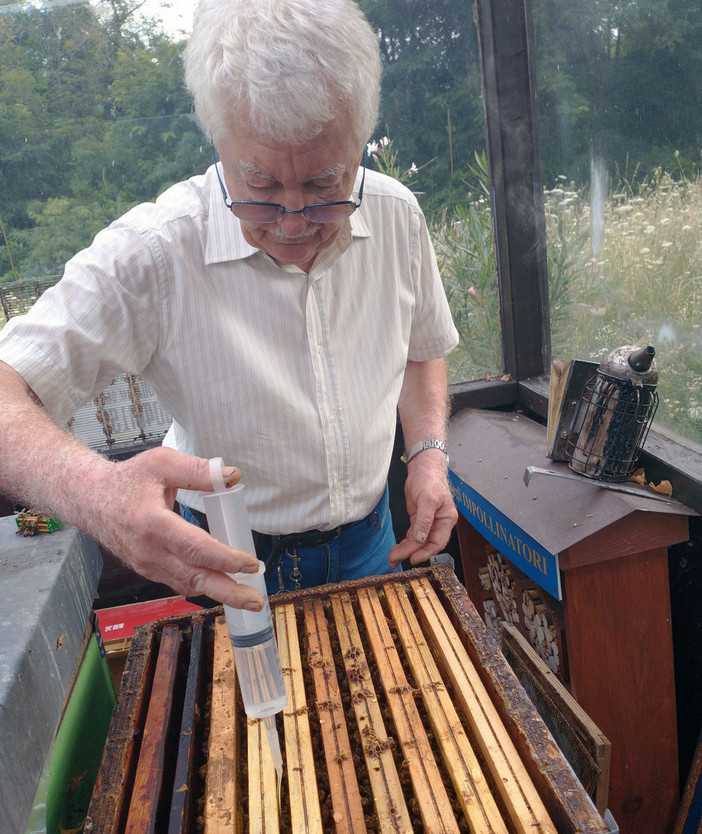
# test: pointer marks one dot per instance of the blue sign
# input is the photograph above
(516, 545)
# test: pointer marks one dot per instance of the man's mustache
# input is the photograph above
(280, 235)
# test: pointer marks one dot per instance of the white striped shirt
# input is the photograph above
(294, 378)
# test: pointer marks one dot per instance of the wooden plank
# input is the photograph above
(689, 819)
(222, 801)
(621, 671)
(523, 656)
(343, 785)
(390, 805)
(181, 801)
(430, 793)
(148, 781)
(517, 790)
(626, 537)
(109, 803)
(569, 806)
(568, 380)
(263, 784)
(460, 760)
(306, 814)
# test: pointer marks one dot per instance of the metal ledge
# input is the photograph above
(665, 456)
(48, 585)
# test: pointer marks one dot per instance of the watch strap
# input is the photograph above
(423, 445)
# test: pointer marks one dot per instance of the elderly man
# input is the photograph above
(283, 306)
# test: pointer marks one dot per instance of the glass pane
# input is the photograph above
(621, 135)
(431, 136)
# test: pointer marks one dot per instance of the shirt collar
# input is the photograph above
(225, 241)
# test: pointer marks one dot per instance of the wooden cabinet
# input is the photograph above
(596, 561)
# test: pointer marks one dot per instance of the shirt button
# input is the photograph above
(332, 418)
(319, 348)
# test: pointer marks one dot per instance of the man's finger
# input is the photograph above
(401, 551)
(224, 589)
(198, 549)
(175, 469)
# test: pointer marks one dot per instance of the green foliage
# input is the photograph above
(464, 244)
(94, 119)
(62, 225)
(643, 288)
(568, 235)
(465, 254)
(92, 106)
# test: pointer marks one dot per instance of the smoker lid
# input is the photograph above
(490, 450)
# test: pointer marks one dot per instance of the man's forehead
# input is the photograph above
(336, 169)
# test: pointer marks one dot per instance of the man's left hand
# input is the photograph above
(431, 510)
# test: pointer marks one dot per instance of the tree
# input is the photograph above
(431, 104)
(621, 76)
(95, 118)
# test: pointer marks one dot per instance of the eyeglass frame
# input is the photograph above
(283, 210)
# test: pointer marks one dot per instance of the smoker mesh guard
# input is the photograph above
(402, 716)
(610, 428)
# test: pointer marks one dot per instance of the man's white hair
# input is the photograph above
(285, 67)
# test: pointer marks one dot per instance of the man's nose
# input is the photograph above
(293, 222)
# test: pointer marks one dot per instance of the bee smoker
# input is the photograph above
(614, 415)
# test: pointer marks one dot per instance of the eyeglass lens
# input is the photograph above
(270, 212)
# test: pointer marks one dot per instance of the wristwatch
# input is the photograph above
(432, 443)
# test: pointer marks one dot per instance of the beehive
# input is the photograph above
(402, 716)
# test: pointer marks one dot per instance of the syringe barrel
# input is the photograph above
(256, 653)
(228, 518)
(253, 639)
(260, 678)
(228, 521)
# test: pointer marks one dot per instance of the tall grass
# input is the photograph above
(643, 287)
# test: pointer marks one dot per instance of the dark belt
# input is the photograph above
(279, 545)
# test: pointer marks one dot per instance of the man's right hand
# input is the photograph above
(126, 506)
(157, 543)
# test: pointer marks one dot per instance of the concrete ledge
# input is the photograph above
(47, 586)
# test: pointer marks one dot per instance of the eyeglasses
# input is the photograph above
(254, 212)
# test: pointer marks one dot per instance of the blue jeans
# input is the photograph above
(361, 549)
